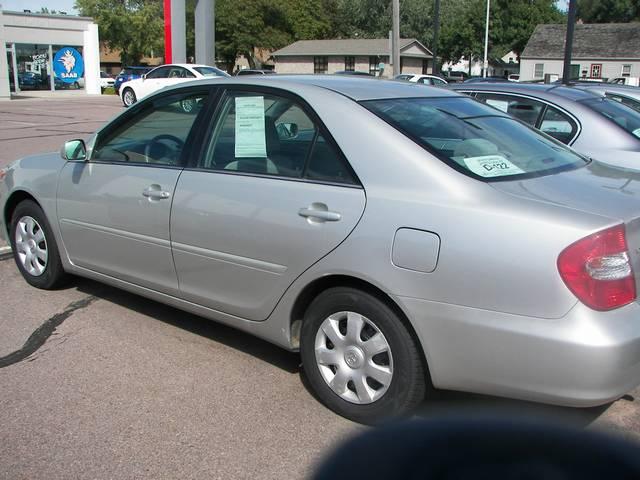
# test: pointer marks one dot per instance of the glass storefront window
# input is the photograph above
(34, 68)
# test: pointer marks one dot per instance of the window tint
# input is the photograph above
(271, 135)
(424, 80)
(558, 125)
(160, 72)
(155, 135)
(630, 102)
(474, 138)
(620, 114)
(326, 165)
(212, 72)
(438, 82)
(179, 72)
(521, 108)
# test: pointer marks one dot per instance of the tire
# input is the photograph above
(128, 97)
(365, 399)
(43, 271)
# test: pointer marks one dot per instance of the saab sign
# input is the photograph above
(68, 65)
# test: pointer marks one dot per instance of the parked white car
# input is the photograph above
(165, 76)
(425, 79)
(106, 81)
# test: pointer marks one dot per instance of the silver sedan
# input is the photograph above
(581, 116)
(398, 236)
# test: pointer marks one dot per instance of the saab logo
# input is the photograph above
(68, 65)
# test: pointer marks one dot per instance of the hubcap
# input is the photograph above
(31, 246)
(354, 357)
(128, 97)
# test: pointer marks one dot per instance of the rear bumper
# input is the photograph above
(584, 359)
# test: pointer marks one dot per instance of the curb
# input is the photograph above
(5, 252)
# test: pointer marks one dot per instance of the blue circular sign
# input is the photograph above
(68, 64)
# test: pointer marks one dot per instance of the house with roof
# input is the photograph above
(369, 55)
(600, 50)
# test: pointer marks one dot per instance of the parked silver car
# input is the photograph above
(593, 124)
(625, 94)
(395, 234)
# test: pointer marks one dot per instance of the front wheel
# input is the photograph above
(34, 247)
(128, 97)
(359, 357)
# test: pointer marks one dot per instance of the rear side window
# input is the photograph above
(558, 125)
(521, 108)
(474, 138)
(629, 102)
(271, 135)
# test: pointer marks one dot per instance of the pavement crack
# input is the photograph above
(44, 331)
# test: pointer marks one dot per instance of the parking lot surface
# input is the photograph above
(99, 383)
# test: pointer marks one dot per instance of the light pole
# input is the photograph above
(395, 37)
(486, 43)
(571, 22)
(436, 30)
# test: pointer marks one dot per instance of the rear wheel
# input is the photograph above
(128, 97)
(34, 247)
(359, 358)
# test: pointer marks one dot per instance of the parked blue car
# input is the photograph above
(129, 73)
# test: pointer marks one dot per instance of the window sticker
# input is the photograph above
(555, 126)
(501, 105)
(636, 132)
(491, 166)
(250, 133)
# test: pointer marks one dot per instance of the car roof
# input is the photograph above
(360, 88)
(534, 89)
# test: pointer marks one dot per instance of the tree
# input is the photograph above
(608, 11)
(135, 27)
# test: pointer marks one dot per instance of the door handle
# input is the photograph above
(155, 193)
(318, 212)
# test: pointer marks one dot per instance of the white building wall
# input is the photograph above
(610, 68)
(5, 93)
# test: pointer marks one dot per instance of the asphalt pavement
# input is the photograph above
(99, 383)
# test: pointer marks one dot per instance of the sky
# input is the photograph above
(36, 5)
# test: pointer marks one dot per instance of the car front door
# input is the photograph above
(153, 81)
(114, 209)
(271, 195)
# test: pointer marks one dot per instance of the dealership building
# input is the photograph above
(54, 53)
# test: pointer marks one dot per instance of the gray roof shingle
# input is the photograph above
(590, 41)
(360, 46)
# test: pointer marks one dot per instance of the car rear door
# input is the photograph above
(114, 209)
(271, 195)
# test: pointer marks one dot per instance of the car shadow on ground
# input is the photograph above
(203, 327)
(438, 402)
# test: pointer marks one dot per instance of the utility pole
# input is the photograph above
(436, 32)
(395, 38)
(486, 42)
(568, 44)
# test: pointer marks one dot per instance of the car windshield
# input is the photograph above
(623, 115)
(475, 139)
(210, 72)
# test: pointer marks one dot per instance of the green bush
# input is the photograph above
(109, 91)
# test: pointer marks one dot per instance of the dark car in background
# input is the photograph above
(129, 73)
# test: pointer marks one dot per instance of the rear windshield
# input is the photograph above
(475, 139)
(210, 72)
(621, 114)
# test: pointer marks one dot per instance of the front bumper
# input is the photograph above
(584, 359)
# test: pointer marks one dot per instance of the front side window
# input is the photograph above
(538, 71)
(475, 139)
(350, 64)
(267, 134)
(622, 115)
(320, 65)
(155, 135)
(160, 72)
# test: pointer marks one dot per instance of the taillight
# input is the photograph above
(598, 271)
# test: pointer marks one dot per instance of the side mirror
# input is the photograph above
(74, 150)
(144, 76)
